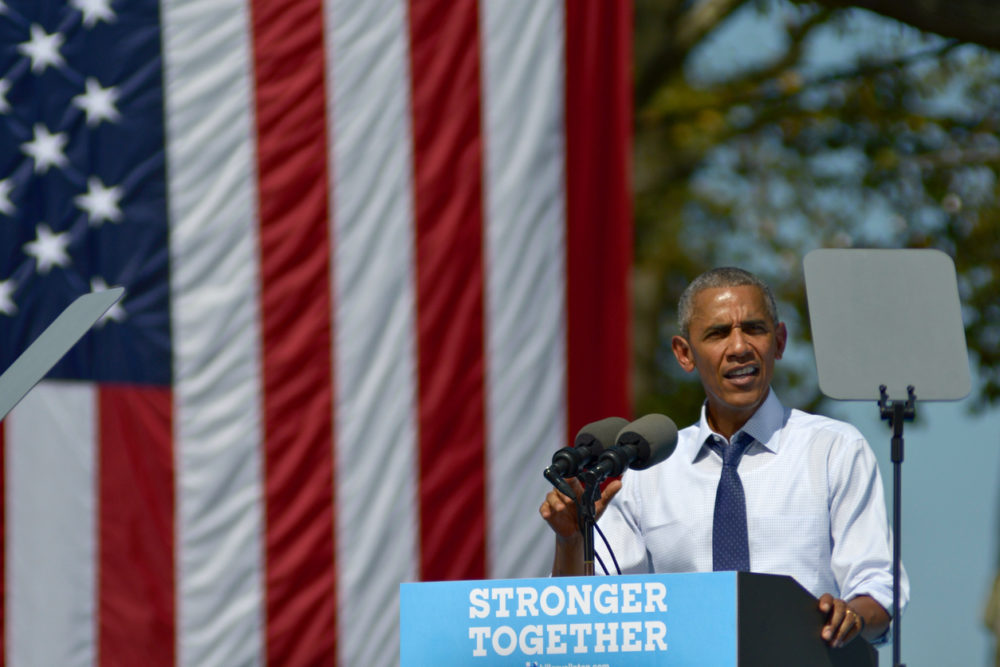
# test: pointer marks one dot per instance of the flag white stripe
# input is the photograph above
(375, 337)
(50, 537)
(217, 383)
(525, 263)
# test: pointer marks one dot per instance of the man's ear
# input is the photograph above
(682, 351)
(780, 337)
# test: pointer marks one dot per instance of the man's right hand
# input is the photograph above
(559, 511)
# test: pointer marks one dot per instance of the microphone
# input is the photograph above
(640, 445)
(590, 441)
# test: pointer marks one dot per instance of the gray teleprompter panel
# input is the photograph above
(889, 317)
(50, 346)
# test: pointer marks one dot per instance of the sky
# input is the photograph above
(950, 506)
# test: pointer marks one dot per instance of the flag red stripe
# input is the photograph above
(289, 60)
(135, 588)
(448, 160)
(598, 209)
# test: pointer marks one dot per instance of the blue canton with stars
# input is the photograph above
(83, 182)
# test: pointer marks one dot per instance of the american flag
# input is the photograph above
(376, 260)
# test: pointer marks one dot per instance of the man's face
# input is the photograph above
(733, 343)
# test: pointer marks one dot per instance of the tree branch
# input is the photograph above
(768, 92)
(702, 18)
(975, 21)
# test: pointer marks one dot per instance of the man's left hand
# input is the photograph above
(842, 623)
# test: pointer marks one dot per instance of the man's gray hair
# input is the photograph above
(723, 276)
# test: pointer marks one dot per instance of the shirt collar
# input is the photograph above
(762, 426)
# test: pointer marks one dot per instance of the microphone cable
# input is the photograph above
(611, 552)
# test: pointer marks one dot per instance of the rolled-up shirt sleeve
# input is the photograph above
(861, 544)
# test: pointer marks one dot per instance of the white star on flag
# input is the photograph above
(7, 305)
(48, 249)
(4, 87)
(46, 149)
(98, 103)
(116, 312)
(3, 7)
(6, 207)
(43, 49)
(94, 11)
(100, 202)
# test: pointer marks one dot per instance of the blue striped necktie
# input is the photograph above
(730, 548)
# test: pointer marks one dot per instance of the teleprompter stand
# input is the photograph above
(896, 412)
(885, 322)
(50, 346)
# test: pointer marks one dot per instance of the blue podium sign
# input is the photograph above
(630, 620)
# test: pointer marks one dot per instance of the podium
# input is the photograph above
(703, 620)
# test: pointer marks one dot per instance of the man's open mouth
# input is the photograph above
(744, 371)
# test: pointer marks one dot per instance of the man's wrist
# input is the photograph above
(569, 541)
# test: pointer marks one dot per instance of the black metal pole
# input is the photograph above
(586, 510)
(897, 523)
(897, 412)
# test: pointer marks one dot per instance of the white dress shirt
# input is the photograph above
(815, 507)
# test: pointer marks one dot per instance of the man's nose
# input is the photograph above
(738, 345)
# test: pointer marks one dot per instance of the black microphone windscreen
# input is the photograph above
(599, 435)
(654, 436)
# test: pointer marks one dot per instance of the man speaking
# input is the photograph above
(753, 486)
